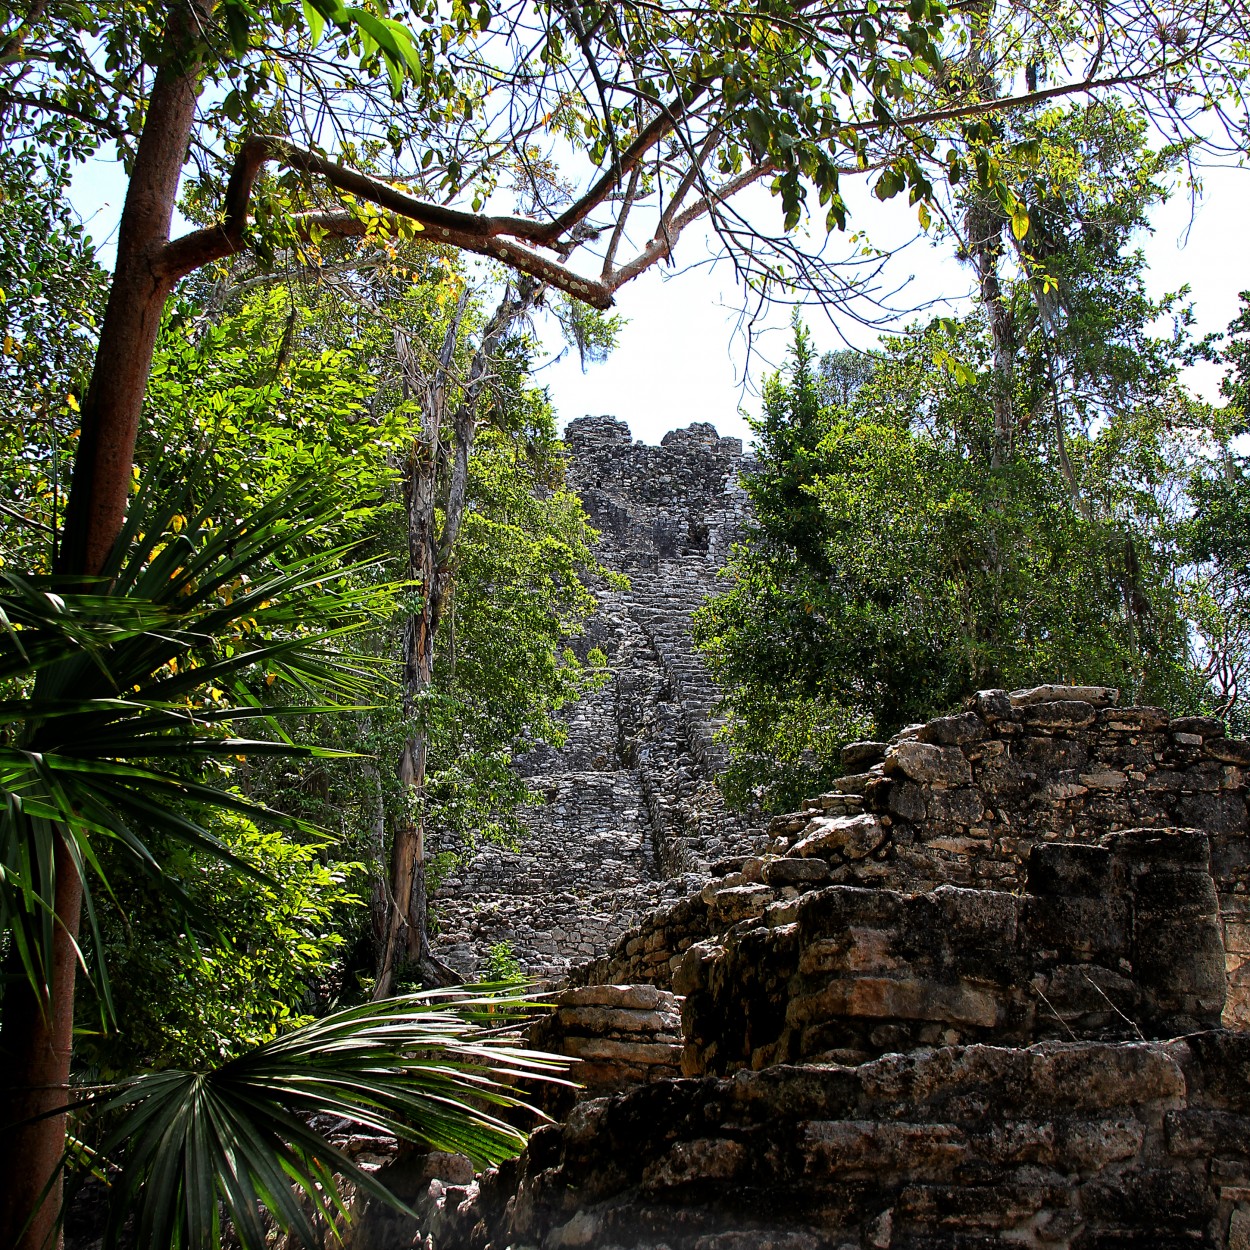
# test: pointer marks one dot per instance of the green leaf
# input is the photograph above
(316, 22)
(427, 1068)
(117, 682)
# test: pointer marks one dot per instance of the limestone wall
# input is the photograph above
(962, 800)
(630, 818)
(973, 998)
(1085, 1145)
(1115, 941)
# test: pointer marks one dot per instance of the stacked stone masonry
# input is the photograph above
(962, 800)
(631, 817)
(975, 997)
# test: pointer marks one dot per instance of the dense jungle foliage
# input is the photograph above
(290, 571)
(910, 546)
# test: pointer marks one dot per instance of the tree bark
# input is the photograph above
(35, 1051)
(37, 1037)
(437, 482)
(985, 247)
(141, 285)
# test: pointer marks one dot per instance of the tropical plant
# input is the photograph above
(52, 291)
(899, 560)
(261, 956)
(189, 1146)
(119, 697)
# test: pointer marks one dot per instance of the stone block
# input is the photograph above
(1066, 715)
(1146, 720)
(906, 799)
(854, 783)
(596, 1020)
(800, 872)
(1202, 1132)
(1072, 990)
(695, 967)
(857, 753)
(1070, 869)
(1237, 937)
(704, 1159)
(1109, 779)
(1141, 849)
(951, 731)
(1228, 751)
(929, 765)
(993, 705)
(1096, 696)
(1174, 893)
(842, 837)
(887, 998)
(1149, 1198)
(1201, 726)
(846, 1147)
(738, 902)
(982, 920)
(1078, 929)
(638, 1053)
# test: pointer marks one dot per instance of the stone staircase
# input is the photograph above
(631, 818)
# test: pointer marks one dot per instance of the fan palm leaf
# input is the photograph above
(116, 694)
(239, 1138)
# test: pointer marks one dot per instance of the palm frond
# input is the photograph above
(239, 1137)
(120, 691)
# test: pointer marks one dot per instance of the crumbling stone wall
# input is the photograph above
(962, 800)
(631, 818)
(875, 1056)
(1115, 941)
(1086, 1145)
(978, 996)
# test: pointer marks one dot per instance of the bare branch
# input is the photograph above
(619, 229)
(661, 245)
(26, 520)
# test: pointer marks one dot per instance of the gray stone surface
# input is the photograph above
(631, 819)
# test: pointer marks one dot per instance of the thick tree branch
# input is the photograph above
(470, 232)
(662, 124)
(12, 48)
(504, 237)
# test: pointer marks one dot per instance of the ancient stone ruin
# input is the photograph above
(631, 815)
(989, 992)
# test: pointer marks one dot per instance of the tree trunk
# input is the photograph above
(132, 317)
(985, 247)
(406, 923)
(36, 1042)
(437, 482)
(35, 1049)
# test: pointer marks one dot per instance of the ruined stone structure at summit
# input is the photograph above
(630, 816)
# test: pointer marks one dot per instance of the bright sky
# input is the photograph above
(683, 355)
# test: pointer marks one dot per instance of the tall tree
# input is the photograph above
(909, 547)
(678, 110)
